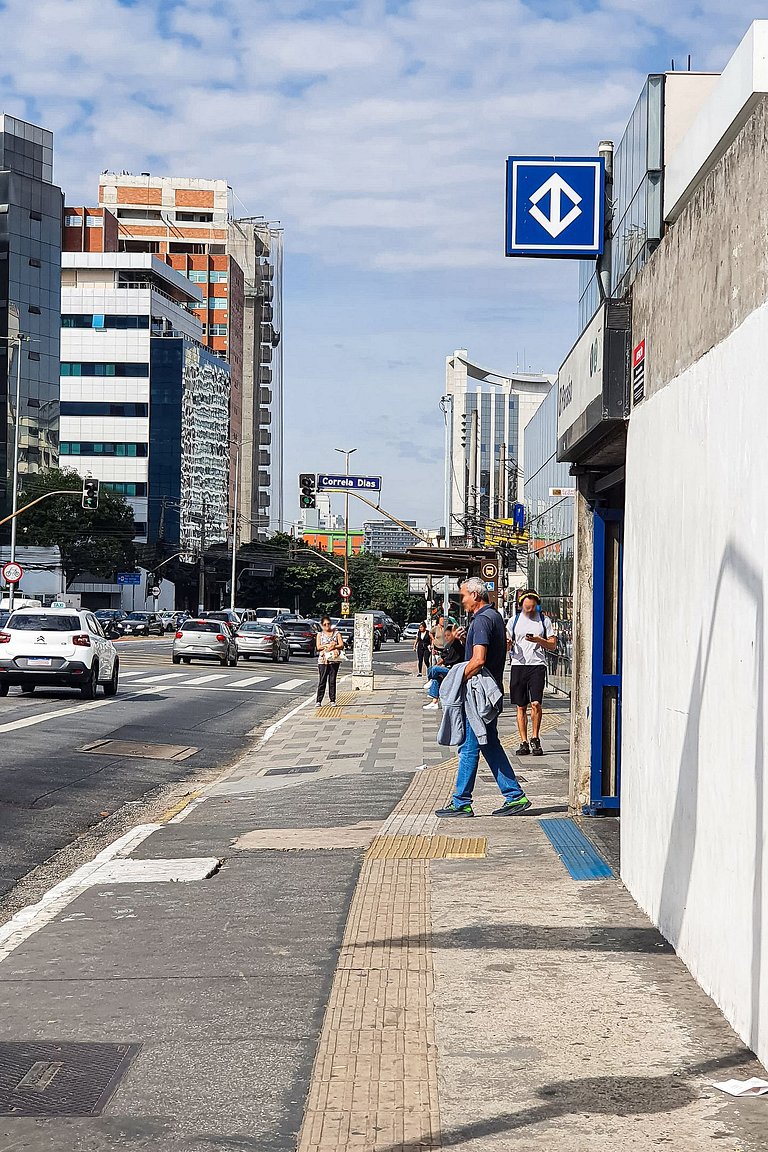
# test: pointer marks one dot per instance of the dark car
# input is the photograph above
(225, 615)
(300, 635)
(112, 621)
(262, 638)
(145, 624)
(380, 625)
(345, 625)
(392, 628)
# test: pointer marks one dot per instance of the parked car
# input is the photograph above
(57, 647)
(411, 631)
(300, 635)
(145, 624)
(393, 629)
(205, 640)
(380, 625)
(262, 638)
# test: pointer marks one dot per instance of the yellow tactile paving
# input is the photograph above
(426, 847)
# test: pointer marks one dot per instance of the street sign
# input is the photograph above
(155, 591)
(329, 483)
(562, 492)
(504, 532)
(490, 570)
(345, 591)
(345, 609)
(555, 206)
(12, 573)
(638, 372)
(129, 578)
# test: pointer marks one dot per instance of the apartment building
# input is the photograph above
(143, 402)
(238, 264)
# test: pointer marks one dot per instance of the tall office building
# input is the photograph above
(143, 402)
(238, 264)
(485, 481)
(387, 536)
(30, 261)
(258, 249)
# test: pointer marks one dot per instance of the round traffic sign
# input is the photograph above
(346, 591)
(12, 573)
(489, 571)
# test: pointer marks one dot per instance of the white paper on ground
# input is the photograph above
(751, 1087)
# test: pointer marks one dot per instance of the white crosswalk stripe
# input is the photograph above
(287, 685)
(247, 682)
(206, 679)
(157, 679)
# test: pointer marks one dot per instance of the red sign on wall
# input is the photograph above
(638, 372)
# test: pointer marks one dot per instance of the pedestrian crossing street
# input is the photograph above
(229, 680)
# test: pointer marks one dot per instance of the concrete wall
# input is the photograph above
(696, 554)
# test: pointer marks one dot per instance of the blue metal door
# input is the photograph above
(605, 775)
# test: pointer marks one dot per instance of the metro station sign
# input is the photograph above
(555, 206)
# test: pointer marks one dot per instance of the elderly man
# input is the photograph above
(486, 647)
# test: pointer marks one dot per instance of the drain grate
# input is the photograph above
(49, 1079)
(292, 771)
(139, 750)
(427, 848)
(345, 755)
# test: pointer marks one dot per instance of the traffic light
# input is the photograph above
(463, 431)
(90, 493)
(307, 489)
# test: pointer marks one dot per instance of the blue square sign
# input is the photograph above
(555, 206)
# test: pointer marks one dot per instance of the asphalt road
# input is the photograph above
(54, 789)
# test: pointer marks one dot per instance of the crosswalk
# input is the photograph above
(229, 681)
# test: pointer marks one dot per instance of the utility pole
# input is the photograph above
(233, 573)
(17, 340)
(201, 567)
(346, 453)
(446, 405)
(501, 492)
(472, 486)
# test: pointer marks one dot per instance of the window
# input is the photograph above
(99, 321)
(73, 221)
(124, 488)
(196, 217)
(33, 308)
(94, 448)
(99, 408)
(217, 303)
(35, 215)
(197, 277)
(70, 368)
(34, 263)
(94, 222)
(218, 277)
(33, 355)
(217, 329)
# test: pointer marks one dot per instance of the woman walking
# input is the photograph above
(329, 645)
(422, 646)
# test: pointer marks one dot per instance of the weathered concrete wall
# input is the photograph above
(711, 269)
(581, 698)
(695, 689)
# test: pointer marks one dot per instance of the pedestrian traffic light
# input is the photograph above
(90, 493)
(307, 489)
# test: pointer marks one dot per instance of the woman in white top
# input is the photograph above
(329, 645)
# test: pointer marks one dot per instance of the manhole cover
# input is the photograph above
(292, 771)
(139, 750)
(49, 1079)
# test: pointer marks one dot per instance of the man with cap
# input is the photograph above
(530, 636)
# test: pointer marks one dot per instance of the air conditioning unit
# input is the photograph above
(267, 313)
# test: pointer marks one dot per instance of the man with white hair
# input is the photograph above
(486, 647)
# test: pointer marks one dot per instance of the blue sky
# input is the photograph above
(376, 132)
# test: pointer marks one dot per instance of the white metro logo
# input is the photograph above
(559, 192)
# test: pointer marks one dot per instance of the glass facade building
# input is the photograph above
(551, 534)
(30, 285)
(638, 216)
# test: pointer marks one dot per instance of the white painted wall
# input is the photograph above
(695, 686)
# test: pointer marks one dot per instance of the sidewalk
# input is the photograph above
(305, 954)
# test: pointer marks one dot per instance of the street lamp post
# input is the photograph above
(235, 516)
(346, 453)
(17, 340)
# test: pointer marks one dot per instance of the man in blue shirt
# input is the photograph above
(486, 647)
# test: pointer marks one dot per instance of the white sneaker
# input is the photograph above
(433, 707)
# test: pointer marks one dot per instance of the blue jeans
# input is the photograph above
(496, 758)
(436, 673)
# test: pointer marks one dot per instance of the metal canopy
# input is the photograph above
(439, 561)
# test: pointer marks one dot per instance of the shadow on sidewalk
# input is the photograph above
(595, 1095)
(537, 937)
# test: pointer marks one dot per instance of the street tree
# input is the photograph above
(98, 541)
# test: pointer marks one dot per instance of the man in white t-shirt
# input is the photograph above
(529, 637)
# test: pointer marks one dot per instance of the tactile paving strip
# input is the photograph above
(427, 848)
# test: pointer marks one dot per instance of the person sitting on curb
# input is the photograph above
(486, 646)
(530, 636)
(453, 653)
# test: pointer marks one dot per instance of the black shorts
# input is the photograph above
(526, 684)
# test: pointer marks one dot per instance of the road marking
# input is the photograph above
(289, 684)
(163, 676)
(41, 717)
(279, 723)
(201, 680)
(250, 680)
(124, 675)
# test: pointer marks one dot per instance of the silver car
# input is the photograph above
(205, 640)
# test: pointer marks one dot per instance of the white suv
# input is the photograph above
(57, 646)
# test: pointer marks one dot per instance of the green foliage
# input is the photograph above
(99, 541)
